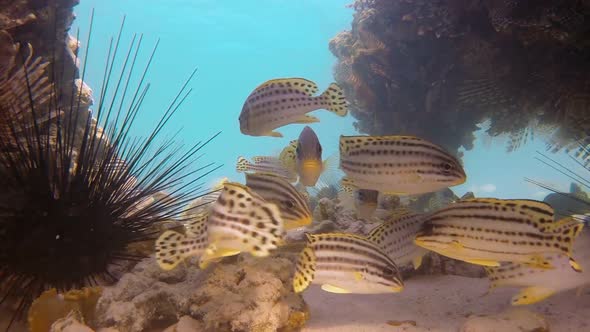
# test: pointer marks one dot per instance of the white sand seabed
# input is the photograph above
(435, 303)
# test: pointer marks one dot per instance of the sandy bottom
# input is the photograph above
(434, 303)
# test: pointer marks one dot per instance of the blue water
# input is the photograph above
(237, 45)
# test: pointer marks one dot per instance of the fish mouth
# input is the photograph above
(311, 165)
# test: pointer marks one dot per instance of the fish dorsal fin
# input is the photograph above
(538, 214)
(377, 233)
(305, 268)
(197, 226)
(347, 185)
(296, 83)
(467, 195)
(172, 248)
(262, 159)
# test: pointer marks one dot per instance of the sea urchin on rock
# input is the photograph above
(74, 196)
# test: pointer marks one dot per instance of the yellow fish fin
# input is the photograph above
(335, 97)
(296, 83)
(531, 295)
(540, 262)
(456, 245)
(243, 165)
(412, 177)
(417, 261)
(274, 134)
(307, 119)
(358, 276)
(212, 254)
(575, 265)
(334, 289)
(304, 270)
(483, 262)
(347, 185)
(172, 248)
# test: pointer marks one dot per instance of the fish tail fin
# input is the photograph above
(336, 102)
(172, 248)
(567, 230)
(243, 165)
(304, 270)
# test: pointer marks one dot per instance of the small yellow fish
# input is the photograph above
(402, 165)
(283, 101)
(241, 221)
(309, 163)
(488, 231)
(345, 263)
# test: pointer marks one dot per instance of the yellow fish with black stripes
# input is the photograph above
(401, 165)
(283, 101)
(241, 221)
(345, 263)
(488, 231)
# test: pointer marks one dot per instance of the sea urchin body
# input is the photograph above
(74, 196)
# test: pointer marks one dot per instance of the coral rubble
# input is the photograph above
(437, 69)
(242, 294)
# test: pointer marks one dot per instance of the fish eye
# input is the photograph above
(388, 272)
(447, 167)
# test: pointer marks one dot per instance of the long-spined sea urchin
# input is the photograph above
(76, 190)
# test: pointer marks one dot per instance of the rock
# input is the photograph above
(512, 320)
(240, 293)
(70, 323)
(186, 324)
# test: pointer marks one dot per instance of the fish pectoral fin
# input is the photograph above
(531, 295)
(306, 119)
(483, 262)
(412, 178)
(334, 289)
(358, 276)
(274, 134)
(456, 245)
(540, 262)
(575, 265)
(417, 261)
(212, 254)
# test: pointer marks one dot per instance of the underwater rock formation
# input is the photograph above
(436, 69)
(240, 294)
